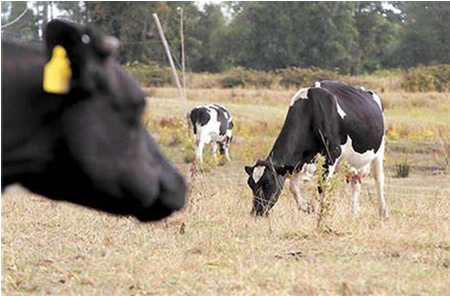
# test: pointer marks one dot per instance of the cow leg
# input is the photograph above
(199, 150)
(356, 191)
(378, 174)
(224, 150)
(227, 154)
(214, 149)
(227, 146)
(294, 187)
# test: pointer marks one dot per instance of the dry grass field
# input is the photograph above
(214, 247)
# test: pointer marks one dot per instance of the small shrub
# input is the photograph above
(171, 131)
(392, 134)
(240, 77)
(326, 199)
(443, 141)
(402, 170)
(189, 157)
(298, 77)
(189, 151)
(432, 78)
(204, 80)
(149, 74)
(207, 166)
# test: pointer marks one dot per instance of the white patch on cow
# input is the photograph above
(301, 94)
(210, 132)
(317, 84)
(340, 111)
(360, 165)
(362, 88)
(377, 99)
(308, 171)
(258, 172)
(358, 162)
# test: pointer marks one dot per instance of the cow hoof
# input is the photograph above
(311, 208)
(307, 208)
(384, 214)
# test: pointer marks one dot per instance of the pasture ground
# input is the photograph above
(215, 247)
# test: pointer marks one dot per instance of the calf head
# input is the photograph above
(266, 182)
(102, 156)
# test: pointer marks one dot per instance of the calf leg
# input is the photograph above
(224, 150)
(356, 191)
(378, 174)
(294, 186)
(227, 154)
(227, 146)
(199, 150)
(214, 149)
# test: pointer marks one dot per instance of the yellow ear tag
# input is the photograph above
(57, 72)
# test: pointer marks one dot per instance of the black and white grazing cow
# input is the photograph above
(213, 125)
(335, 120)
(86, 144)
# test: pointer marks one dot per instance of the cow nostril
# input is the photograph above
(171, 197)
(156, 212)
(173, 191)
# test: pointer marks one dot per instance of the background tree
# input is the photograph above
(425, 36)
(377, 30)
(352, 37)
(272, 35)
(26, 29)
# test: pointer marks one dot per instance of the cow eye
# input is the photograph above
(141, 105)
(133, 111)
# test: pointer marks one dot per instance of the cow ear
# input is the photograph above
(249, 170)
(68, 56)
(72, 50)
(72, 38)
(65, 34)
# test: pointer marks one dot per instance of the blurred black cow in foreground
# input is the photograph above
(82, 142)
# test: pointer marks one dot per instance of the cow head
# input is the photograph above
(266, 182)
(103, 157)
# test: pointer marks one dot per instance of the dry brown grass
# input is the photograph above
(214, 247)
(392, 99)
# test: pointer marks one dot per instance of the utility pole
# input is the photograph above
(174, 70)
(183, 60)
(44, 15)
(169, 56)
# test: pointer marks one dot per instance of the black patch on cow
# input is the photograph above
(199, 115)
(230, 125)
(364, 118)
(221, 148)
(221, 118)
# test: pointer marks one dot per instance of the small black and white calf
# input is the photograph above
(336, 120)
(213, 125)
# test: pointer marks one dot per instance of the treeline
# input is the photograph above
(346, 37)
(417, 79)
